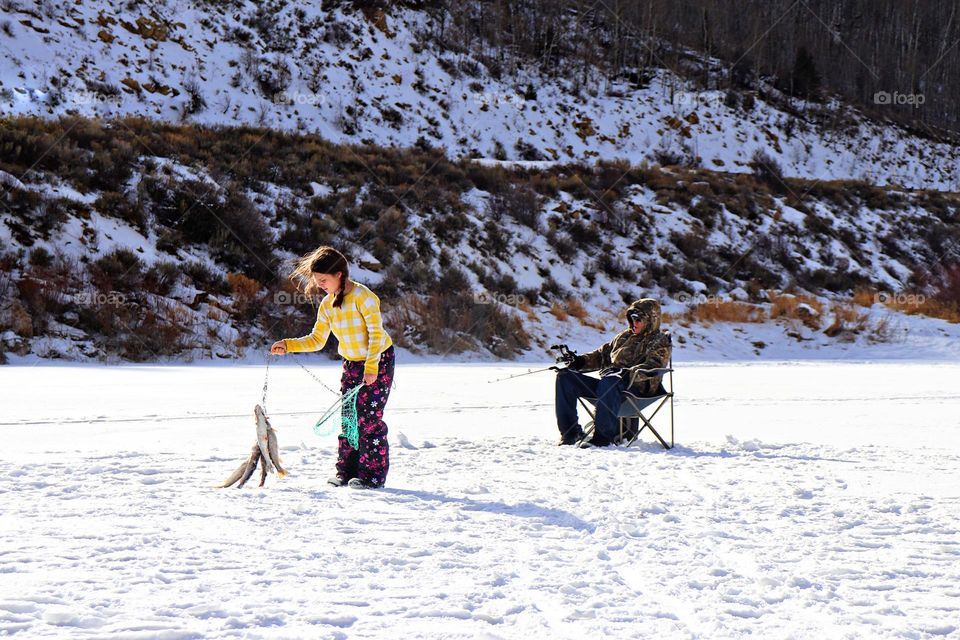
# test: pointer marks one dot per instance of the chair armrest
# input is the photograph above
(654, 372)
(641, 374)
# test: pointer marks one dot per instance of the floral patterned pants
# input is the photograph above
(371, 461)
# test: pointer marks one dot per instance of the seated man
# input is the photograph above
(642, 346)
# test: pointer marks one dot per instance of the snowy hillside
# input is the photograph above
(496, 211)
(354, 76)
(144, 241)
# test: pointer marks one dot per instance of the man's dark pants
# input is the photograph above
(608, 391)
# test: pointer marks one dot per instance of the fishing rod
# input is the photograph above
(527, 373)
(566, 357)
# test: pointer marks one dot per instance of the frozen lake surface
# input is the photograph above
(802, 500)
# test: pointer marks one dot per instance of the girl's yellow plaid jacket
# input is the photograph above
(357, 323)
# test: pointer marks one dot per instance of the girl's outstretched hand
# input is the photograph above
(279, 348)
(369, 378)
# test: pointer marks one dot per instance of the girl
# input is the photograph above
(352, 312)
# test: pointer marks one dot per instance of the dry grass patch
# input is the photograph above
(934, 306)
(573, 308)
(805, 308)
(576, 309)
(719, 311)
(846, 319)
(864, 297)
(558, 311)
(926, 306)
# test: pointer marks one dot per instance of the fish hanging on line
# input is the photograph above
(265, 452)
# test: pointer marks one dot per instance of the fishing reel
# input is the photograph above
(567, 355)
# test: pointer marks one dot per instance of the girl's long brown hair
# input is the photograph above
(322, 260)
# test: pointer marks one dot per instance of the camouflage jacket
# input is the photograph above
(650, 349)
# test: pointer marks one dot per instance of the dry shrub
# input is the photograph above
(658, 179)
(119, 270)
(518, 202)
(558, 311)
(41, 300)
(926, 306)
(670, 318)
(847, 319)
(206, 279)
(767, 170)
(117, 205)
(796, 307)
(936, 295)
(573, 308)
(864, 297)
(392, 222)
(244, 291)
(946, 294)
(934, 306)
(452, 323)
(153, 333)
(525, 306)
(724, 311)
(19, 320)
(577, 310)
(882, 331)
(161, 277)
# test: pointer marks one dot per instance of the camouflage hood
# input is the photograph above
(649, 349)
(649, 311)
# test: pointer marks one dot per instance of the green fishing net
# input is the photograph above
(346, 408)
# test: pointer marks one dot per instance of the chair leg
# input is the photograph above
(588, 428)
(627, 429)
(591, 426)
(655, 432)
(587, 432)
(647, 424)
(671, 420)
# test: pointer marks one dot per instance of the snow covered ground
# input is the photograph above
(804, 499)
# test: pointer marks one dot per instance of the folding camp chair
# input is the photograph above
(632, 410)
